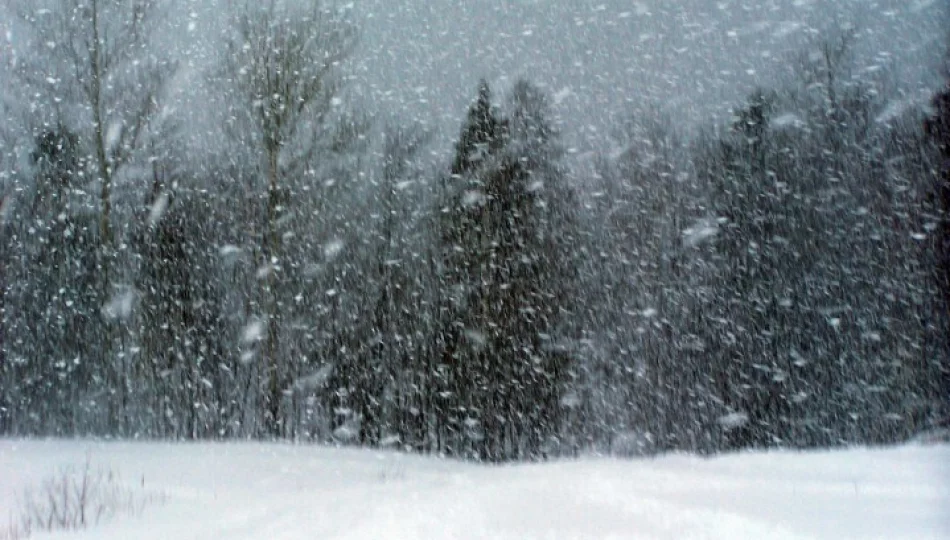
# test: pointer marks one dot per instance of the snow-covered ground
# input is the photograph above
(271, 491)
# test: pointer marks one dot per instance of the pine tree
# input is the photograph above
(503, 269)
(57, 319)
(543, 268)
(740, 195)
(821, 297)
(938, 127)
(483, 133)
(181, 327)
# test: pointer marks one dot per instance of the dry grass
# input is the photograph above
(75, 499)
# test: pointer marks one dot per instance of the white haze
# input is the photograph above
(693, 60)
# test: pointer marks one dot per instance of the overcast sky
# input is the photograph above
(598, 59)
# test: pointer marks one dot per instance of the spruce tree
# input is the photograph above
(181, 327)
(54, 286)
(938, 127)
(502, 272)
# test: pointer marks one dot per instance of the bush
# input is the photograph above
(75, 499)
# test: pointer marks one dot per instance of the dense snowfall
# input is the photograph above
(500, 231)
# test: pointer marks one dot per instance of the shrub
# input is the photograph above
(75, 499)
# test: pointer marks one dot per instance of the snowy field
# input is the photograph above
(272, 491)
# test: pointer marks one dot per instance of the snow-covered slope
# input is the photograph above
(271, 491)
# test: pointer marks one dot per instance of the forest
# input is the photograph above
(317, 272)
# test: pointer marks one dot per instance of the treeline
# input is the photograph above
(306, 273)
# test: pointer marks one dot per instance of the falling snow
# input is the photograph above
(495, 231)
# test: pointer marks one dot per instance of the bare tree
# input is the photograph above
(284, 64)
(825, 64)
(90, 61)
(89, 68)
(6, 202)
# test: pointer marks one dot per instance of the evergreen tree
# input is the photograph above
(55, 284)
(482, 136)
(181, 328)
(643, 362)
(821, 296)
(938, 127)
(503, 270)
(753, 213)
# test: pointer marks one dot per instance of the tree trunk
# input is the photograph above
(272, 397)
(4, 406)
